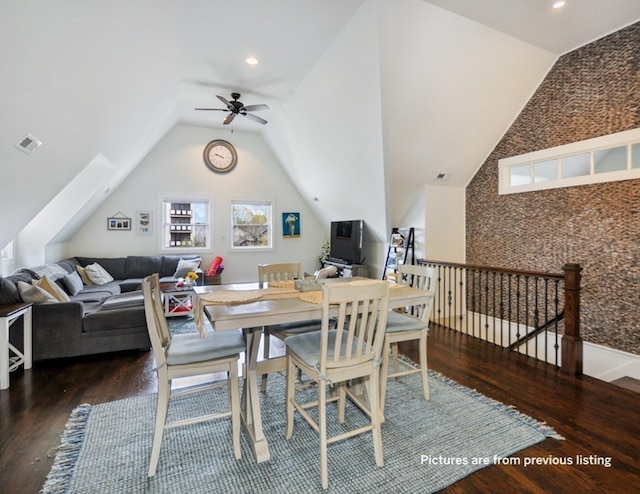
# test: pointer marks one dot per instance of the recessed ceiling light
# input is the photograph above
(558, 4)
(252, 60)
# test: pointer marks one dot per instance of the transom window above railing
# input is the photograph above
(608, 158)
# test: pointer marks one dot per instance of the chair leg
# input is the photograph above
(342, 399)
(266, 343)
(423, 365)
(322, 430)
(234, 394)
(162, 409)
(375, 416)
(289, 396)
(384, 371)
(394, 354)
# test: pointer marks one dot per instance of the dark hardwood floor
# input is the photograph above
(597, 419)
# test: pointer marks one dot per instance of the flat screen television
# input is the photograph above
(346, 241)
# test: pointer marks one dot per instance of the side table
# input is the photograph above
(178, 302)
(8, 315)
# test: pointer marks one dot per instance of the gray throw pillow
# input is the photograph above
(73, 283)
(186, 265)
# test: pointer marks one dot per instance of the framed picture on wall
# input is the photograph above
(143, 223)
(290, 225)
(119, 222)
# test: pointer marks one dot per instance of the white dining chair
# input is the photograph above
(335, 357)
(407, 326)
(281, 272)
(189, 355)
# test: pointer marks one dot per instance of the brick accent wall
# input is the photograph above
(590, 92)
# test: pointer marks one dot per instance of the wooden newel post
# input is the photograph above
(571, 340)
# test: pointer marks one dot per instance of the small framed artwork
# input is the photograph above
(143, 222)
(119, 222)
(291, 225)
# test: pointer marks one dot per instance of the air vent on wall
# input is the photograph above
(28, 144)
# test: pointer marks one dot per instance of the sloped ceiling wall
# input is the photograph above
(391, 94)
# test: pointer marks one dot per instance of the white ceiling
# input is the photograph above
(556, 30)
(109, 77)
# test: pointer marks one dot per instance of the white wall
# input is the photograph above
(175, 169)
(444, 223)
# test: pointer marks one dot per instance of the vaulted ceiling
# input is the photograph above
(400, 90)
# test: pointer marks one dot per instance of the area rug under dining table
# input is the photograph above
(427, 445)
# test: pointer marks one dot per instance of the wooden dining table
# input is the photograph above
(265, 307)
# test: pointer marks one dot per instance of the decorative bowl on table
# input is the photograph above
(308, 285)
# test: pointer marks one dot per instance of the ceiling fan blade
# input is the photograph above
(229, 118)
(256, 107)
(226, 102)
(255, 118)
(212, 109)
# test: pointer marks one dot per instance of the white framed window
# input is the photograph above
(608, 158)
(251, 224)
(185, 224)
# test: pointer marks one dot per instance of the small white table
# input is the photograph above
(178, 301)
(8, 315)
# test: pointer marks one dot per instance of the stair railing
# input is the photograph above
(532, 313)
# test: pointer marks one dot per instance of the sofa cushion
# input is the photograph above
(46, 283)
(69, 265)
(34, 294)
(73, 283)
(122, 300)
(9, 293)
(105, 320)
(97, 274)
(141, 266)
(115, 266)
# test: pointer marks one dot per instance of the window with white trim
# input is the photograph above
(185, 224)
(251, 225)
(608, 158)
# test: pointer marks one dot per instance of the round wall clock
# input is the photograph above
(220, 156)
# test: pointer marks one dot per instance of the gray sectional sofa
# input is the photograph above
(97, 318)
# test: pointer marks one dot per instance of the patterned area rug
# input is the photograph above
(427, 445)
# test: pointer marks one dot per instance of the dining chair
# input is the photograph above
(334, 357)
(281, 272)
(407, 326)
(188, 355)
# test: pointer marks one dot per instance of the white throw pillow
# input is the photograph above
(186, 265)
(52, 287)
(34, 294)
(97, 274)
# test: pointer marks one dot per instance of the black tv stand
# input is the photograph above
(346, 269)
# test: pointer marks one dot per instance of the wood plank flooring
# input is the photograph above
(598, 420)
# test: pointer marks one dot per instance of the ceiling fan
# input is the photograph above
(236, 107)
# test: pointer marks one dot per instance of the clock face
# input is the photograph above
(220, 156)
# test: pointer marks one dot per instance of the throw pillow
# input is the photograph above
(97, 274)
(34, 294)
(83, 274)
(52, 287)
(73, 283)
(186, 265)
